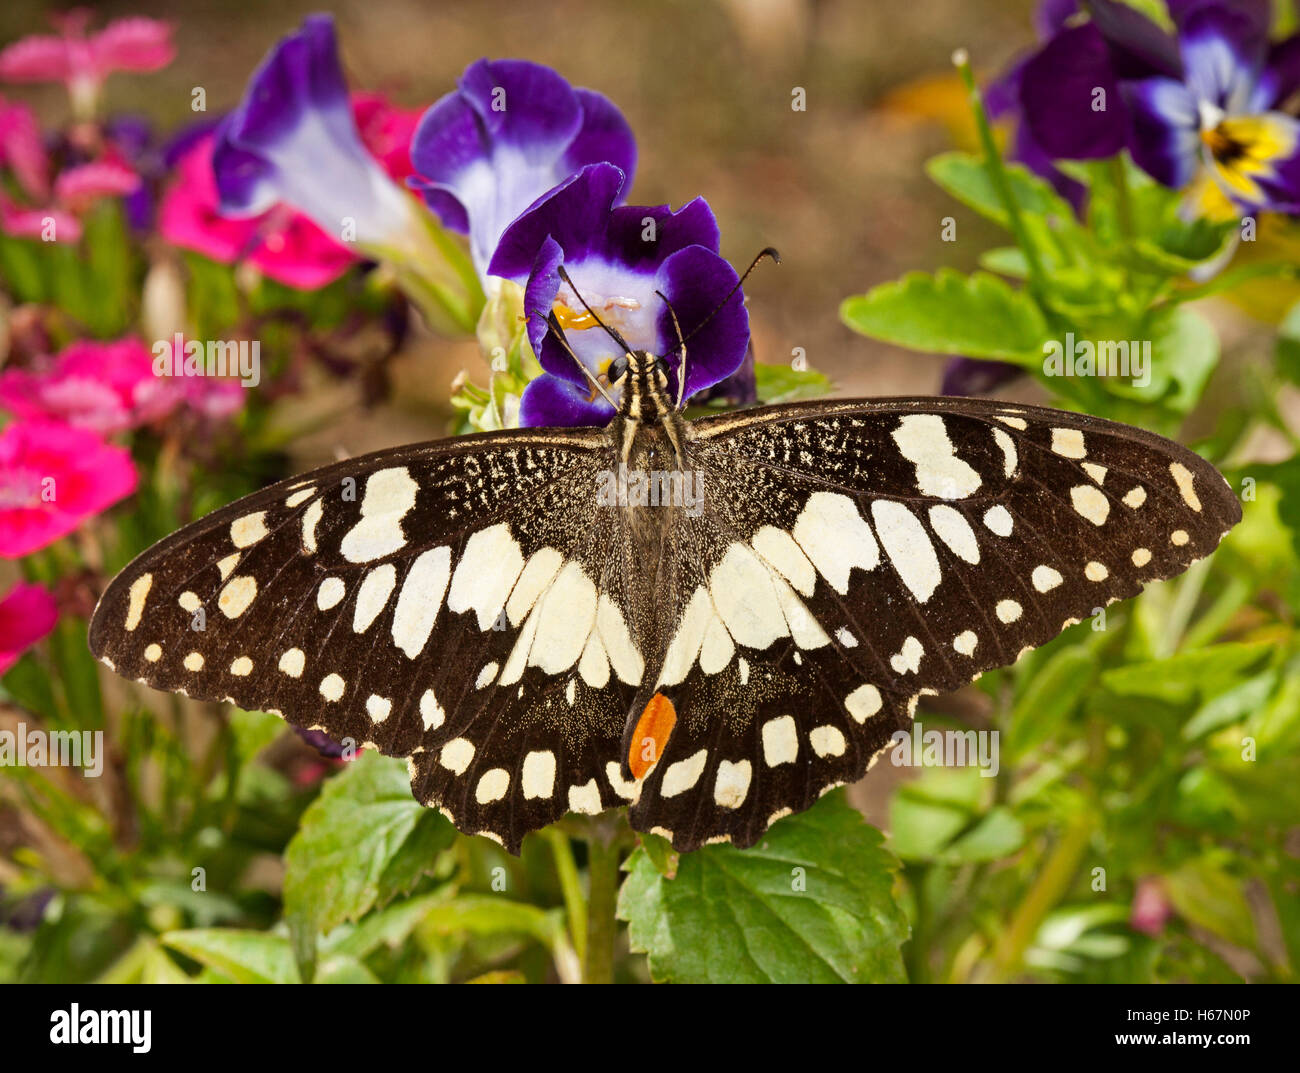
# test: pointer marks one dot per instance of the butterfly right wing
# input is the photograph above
(461, 608)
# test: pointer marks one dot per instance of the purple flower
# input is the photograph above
(504, 141)
(293, 140)
(1201, 105)
(620, 260)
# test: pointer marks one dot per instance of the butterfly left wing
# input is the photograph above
(458, 603)
(852, 556)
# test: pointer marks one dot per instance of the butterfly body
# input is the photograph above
(714, 643)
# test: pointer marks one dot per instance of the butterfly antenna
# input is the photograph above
(681, 345)
(613, 333)
(554, 323)
(768, 252)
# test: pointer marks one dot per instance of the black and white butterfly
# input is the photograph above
(740, 627)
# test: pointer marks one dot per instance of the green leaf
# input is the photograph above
(1050, 696)
(661, 854)
(998, 834)
(362, 841)
(248, 957)
(1231, 705)
(978, 316)
(812, 901)
(1182, 677)
(1185, 350)
(966, 177)
(385, 927)
(784, 383)
(1204, 893)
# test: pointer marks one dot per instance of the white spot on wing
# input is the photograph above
(684, 774)
(539, 774)
(923, 440)
(485, 574)
(835, 538)
(955, 531)
(780, 741)
(827, 741)
(248, 530)
(372, 596)
(1091, 503)
(389, 496)
(237, 595)
(908, 546)
(732, 784)
(420, 600)
(136, 597)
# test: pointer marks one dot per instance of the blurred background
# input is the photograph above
(708, 88)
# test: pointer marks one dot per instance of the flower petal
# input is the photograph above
(696, 282)
(1166, 141)
(1223, 52)
(27, 613)
(549, 401)
(1058, 88)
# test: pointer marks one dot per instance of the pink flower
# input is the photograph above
(1151, 909)
(386, 131)
(27, 613)
(22, 150)
(80, 186)
(22, 222)
(110, 387)
(102, 387)
(283, 244)
(52, 478)
(82, 62)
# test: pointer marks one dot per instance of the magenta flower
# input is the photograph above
(110, 387)
(52, 479)
(21, 149)
(1151, 909)
(81, 61)
(27, 613)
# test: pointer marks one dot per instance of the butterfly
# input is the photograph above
(711, 621)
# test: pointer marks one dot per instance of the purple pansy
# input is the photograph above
(293, 140)
(1204, 102)
(501, 143)
(621, 259)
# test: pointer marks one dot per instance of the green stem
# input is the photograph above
(566, 871)
(1047, 889)
(998, 174)
(1234, 277)
(1123, 198)
(602, 896)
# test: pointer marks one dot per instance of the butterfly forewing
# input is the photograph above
(533, 648)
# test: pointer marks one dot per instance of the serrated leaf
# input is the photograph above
(665, 859)
(979, 316)
(811, 902)
(362, 841)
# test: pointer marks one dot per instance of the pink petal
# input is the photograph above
(386, 131)
(22, 149)
(78, 473)
(132, 44)
(30, 223)
(27, 613)
(79, 186)
(38, 58)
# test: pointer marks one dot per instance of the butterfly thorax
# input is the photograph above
(646, 404)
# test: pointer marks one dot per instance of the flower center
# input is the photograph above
(20, 490)
(1225, 148)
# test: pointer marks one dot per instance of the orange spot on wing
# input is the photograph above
(651, 734)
